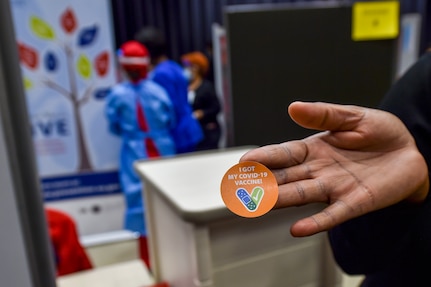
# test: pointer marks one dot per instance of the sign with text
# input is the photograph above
(68, 66)
(375, 20)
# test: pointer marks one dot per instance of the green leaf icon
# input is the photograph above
(83, 66)
(41, 29)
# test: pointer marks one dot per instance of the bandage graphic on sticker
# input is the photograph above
(250, 201)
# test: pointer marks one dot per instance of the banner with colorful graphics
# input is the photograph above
(68, 65)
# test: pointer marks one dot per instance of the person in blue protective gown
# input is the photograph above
(169, 74)
(141, 113)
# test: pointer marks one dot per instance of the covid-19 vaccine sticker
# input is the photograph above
(249, 189)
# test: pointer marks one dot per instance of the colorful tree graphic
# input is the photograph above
(76, 65)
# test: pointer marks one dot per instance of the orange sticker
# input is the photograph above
(249, 189)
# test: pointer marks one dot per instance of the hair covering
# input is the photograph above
(135, 59)
(153, 39)
(198, 59)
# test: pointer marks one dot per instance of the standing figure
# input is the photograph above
(203, 99)
(141, 113)
(169, 74)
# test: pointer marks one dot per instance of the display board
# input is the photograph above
(68, 65)
(282, 53)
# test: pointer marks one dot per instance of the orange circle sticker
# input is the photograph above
(249, 189)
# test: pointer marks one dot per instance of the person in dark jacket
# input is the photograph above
(203, 99)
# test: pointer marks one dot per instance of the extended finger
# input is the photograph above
(291, 174)
(309, 169)
(325, 116)
(330, 217)
(302, 192)
(341, 186)
(278, 155)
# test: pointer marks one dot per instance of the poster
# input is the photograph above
(68, 65)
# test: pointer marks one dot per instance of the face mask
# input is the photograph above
(187, 74)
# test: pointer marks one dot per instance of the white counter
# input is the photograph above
(190, 184)
(196, 241)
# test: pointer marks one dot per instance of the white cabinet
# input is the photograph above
(196, 241)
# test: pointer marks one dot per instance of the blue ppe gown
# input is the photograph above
(143, 116)
(187, 133)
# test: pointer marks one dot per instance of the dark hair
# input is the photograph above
(153, 39)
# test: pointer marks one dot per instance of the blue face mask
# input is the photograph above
(187, 74)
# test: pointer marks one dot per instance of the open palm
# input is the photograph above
(362, 160)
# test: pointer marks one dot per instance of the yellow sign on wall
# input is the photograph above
(375, 20)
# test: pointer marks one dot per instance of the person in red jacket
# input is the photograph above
(70, 256)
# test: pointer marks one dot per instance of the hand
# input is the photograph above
(198, 114)
(364, 160)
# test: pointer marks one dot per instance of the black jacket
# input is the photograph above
(392, 246)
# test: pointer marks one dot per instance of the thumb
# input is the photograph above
(325, 116)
